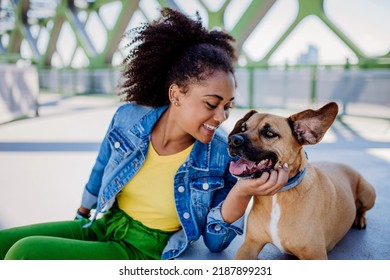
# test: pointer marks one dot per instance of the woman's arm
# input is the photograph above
(91, 189)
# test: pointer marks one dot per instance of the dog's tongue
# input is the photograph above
(241, 166)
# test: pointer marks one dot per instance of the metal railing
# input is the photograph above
(363, 92)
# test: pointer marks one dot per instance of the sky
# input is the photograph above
(366, 22)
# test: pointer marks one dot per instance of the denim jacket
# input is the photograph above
(200, 185)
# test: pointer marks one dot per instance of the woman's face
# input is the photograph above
(205, 106)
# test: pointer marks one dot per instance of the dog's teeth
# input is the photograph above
(263, 162)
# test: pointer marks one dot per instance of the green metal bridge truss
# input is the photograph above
(38, 24)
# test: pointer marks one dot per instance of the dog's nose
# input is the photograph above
(236, 140)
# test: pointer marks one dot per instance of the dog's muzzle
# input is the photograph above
(236, 140)
(249, 162)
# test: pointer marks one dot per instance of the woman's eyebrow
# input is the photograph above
(218, 96)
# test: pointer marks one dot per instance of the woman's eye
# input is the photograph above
(214, 106)
(211, 106)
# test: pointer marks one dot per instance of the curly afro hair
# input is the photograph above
(174, 49)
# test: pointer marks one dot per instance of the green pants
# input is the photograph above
(115, 236)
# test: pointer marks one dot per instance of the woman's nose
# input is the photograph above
(221, 115)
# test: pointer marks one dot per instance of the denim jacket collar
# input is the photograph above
(200, 155)
(144, 127)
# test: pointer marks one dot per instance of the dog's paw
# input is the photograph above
(360, 222)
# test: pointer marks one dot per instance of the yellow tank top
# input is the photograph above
(148, 197)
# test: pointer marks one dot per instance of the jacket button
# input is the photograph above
(117, 144)
(181, 189)
(205, 186)
(217, 228)
(186, 215)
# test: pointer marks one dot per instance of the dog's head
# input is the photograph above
(264, 141)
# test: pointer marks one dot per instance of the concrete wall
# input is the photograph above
(19, 88)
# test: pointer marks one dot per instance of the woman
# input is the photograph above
(161, 177)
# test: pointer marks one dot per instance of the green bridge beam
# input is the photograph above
(316, 8)
(77, 18)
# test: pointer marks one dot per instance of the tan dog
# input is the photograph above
(321, 201)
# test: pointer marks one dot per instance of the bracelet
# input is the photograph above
(85, 216)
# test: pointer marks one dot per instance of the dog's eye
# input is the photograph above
(269, 134)
(243, 127)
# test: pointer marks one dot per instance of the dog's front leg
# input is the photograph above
(321, 255)
(310, 252)
(255, 239)
(249, 250)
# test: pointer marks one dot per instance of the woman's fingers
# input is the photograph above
(271, 182)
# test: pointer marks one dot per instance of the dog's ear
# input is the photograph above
(237, 127)
(310, 126)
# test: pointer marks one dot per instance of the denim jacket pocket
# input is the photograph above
(203, 190)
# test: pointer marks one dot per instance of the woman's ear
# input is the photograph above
(174, 94)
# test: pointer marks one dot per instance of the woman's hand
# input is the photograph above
(269, 183)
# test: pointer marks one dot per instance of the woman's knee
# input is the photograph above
(28, 248)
